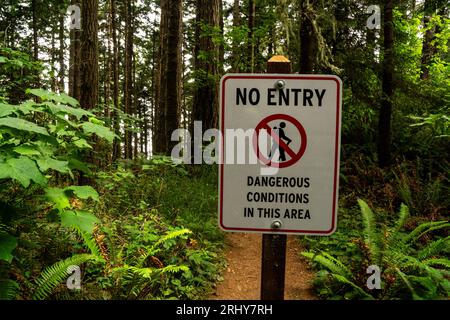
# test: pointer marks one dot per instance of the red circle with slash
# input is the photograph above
(294, 156)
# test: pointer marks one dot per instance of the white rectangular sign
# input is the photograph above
(279, 153)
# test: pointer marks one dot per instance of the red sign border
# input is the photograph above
(336, 158)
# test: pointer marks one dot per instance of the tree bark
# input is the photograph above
(236, 57)
(35, 30)
(251, 27)
(206, 65)
(307, 39)
(128, 76)
(115, 116)
(75, 60)
(172, 105)
(168, 76)
(384, 124)
(89, 55)
(62, 66)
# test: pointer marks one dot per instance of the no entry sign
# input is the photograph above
(279, 153)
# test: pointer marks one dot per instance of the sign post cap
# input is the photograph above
(279, 58)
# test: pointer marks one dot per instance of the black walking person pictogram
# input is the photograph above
(285, 138)
(281, 135)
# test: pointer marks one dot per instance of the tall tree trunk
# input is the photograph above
(307, 38)
(168, 76)
(236, 57)
(115, 116)
(428, 49)
(153, 91)
(35, 30)
(75, 60)
(53, 61)
(222, 44)
(384, 124)
(251, 27)
(173, 84)
(135, 110)
(128, 76)
(205, 101)
(160, 78)
(62, 66)
(89, 55)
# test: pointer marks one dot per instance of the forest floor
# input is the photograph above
(242, 275)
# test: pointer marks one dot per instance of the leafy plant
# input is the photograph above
(407, 266)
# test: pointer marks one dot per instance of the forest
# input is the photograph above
(93, 207)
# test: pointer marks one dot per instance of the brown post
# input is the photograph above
(274, 245)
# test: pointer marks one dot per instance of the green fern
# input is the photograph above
(153, 249)
(148, 273)
(90, 243)
(171, 235)
(8, 289)
(442, 262)
(433, 248)
(408, 284)
(424, 228)
(371, 235)
(403, 216)
(52, 276)
(344, 280)
(326, 260)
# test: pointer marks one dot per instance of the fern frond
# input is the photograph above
(442, 262)
(425, 228)
(434, 247)
(171, 235)
(55, 274)
(147, 273)
(91, 244)
(344, 280)
(332, 264)
(174, 269)
(8, 289)
(408, 284)
(403, 216)
(153, 249)
(371, 236)
(142, 272)
(408, 262)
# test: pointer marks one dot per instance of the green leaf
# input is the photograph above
(6, 109)
(75, 164)
(101, 131)
(51, 96)
(83, 220)
(27, 150)
(49, 163)
(7, 244)
(58, 197)
(61, 108)
(84, 192)
(23, 170)
(371, 236)
(22, 125)
(82, 144)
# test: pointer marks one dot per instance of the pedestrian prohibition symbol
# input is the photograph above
(280, 141)
(279, 153)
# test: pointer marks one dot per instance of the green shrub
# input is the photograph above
(413, 264)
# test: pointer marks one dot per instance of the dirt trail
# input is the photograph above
(242, 276)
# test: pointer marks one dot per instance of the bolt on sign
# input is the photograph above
(279, 153)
